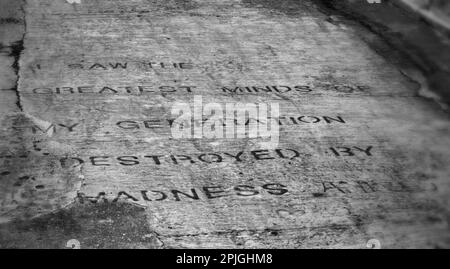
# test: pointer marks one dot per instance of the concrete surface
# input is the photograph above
(366, 156)
(406, 30)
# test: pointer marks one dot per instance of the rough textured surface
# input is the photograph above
(365, 156)
(436, 12)
(97, 226)
(401, 25)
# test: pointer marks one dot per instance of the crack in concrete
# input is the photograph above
(16, 52)
(424, 91)
(158, 237)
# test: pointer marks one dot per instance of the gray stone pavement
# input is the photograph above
(87, 151)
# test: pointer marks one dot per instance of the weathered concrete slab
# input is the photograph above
(361, 154)
(436, 12)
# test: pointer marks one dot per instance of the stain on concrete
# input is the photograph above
(99, 226)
